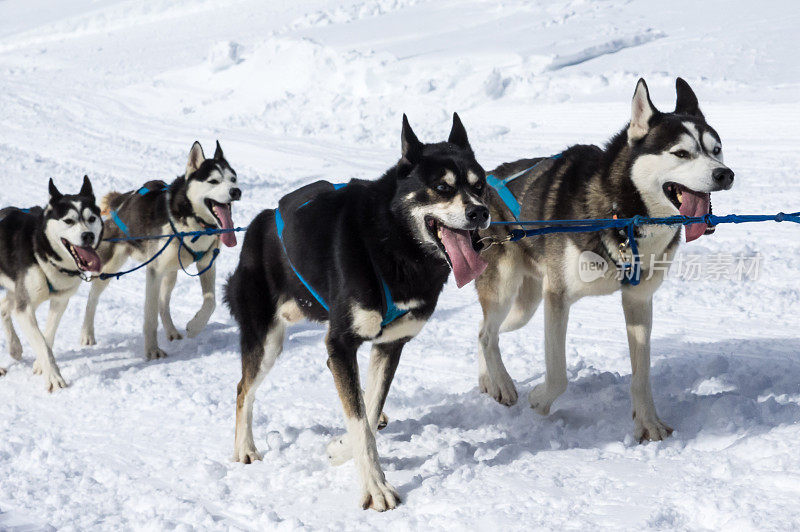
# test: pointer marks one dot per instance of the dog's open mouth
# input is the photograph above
(222, 214)
(690, 203)
(86, 258)
(460, 247)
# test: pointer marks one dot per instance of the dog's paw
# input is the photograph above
(87, 339)
(155, 353)
(15, 349)
(37, 367)
(339, 450)
(379, 494)
(541, 399)
(53, 380)
(383, 420)
(196, 325)
(650, 428)
(246, 455)
(174, 335)
(501, 388)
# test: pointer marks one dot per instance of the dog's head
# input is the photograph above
(677, 157)
(211, 187)
(441, 191)
(73, 226)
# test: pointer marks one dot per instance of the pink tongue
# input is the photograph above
(695, 204)
(223, 212)
(90, 259)
(467, 264)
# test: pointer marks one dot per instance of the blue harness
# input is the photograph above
(501, 187)
(196, 255)
(631, 271)
(392, 310)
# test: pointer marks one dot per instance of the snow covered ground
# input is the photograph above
(297, 90)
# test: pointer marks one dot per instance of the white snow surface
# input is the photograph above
(307, 89)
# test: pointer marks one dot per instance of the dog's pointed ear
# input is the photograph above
(642, 110)
(686, 102)
(55, 195)
(196, 158)
(458, 135)
(86, 188)
(218, 155)
(411, 147)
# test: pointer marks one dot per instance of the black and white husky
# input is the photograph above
(661, 164)
(197, 200)
(370, 258)
(44, 254)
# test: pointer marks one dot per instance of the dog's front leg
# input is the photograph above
(556, 316)
(639, 322)
(14, 345)
(382, 366)
(376, 492)
(87, 330)
(45, 363)
(56, 310)
(198, 323)
(153, 283)
(167, 285)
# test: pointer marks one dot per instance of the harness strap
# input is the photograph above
(501, 187)
(279, 226)
(120, 223)
(196, 255)
(393, 312)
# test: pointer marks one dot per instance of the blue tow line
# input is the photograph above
(633, 273)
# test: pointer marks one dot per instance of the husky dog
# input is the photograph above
(661, 164)
(198, 200)
(370, 258)
(44, 254)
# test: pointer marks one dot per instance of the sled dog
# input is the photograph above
(44, 254)
(661, 164)
(370, 258)
(200, 199)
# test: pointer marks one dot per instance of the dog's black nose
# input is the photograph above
(477, 214)
(87, 238)
(723, 177)
(236, 193)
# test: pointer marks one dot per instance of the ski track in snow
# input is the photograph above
(298, 91)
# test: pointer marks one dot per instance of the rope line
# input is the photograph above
(546, 227)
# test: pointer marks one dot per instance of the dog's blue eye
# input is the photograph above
(681, 154)
(716, 151)
(441, 187)
(233, 180)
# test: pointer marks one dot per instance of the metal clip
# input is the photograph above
(624, 249)
(493, 241)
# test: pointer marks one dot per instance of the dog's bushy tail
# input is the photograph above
(109, 201)
(247, 291)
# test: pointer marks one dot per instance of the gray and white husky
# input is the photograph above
(199, 199)
(44, 254)
(661, 164)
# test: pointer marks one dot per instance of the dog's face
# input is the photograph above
(212, 186)
(442, 194)
(677, 157)
(73, 226)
